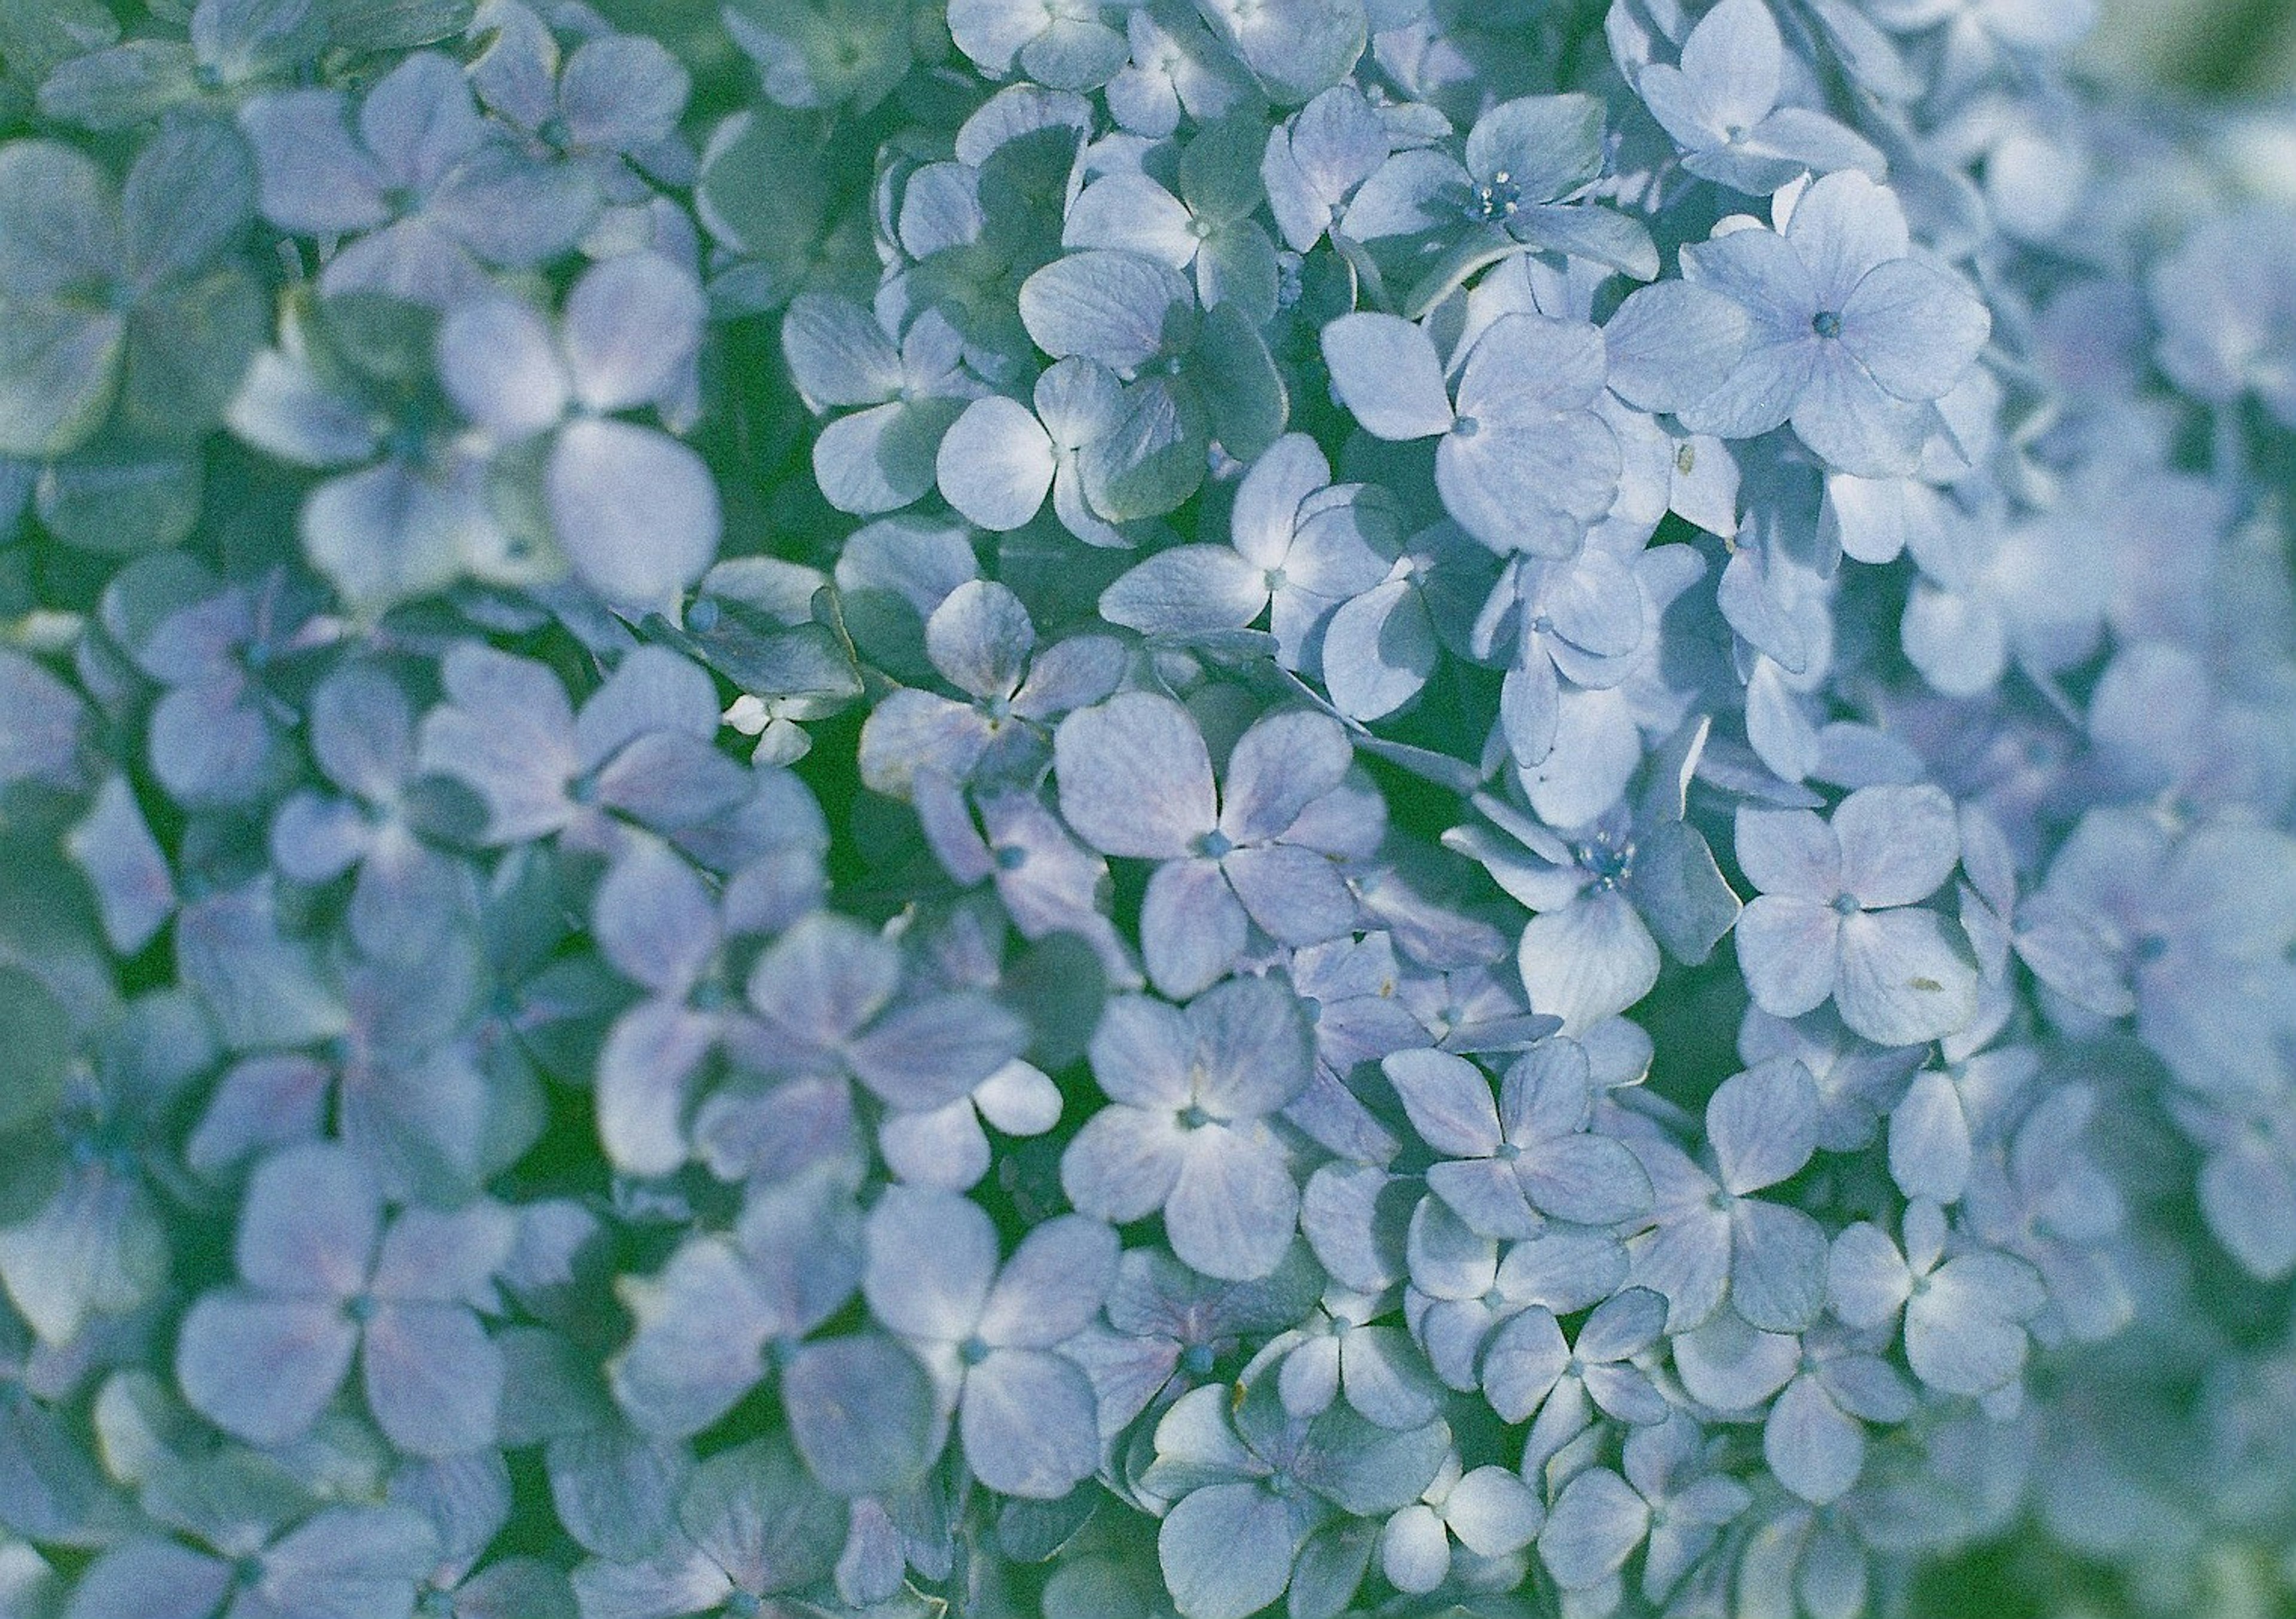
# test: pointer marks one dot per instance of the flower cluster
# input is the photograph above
(1138, 808)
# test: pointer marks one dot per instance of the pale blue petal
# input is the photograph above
(1226, 1551)
(630, 325)
(1281, 765)
(434, 1379)
(1052, 1284)
(1778, 1260)
(931, 1259)
(1816, 1451)
(262, 1369)
(1762, 1124)
(499, 363)
(1789, 950)
(1903, 980)
(1523, 1363)
(1929, 1140)
(1253, 1048)
(1898, 844)
(861, 1412)
(1117, 308)
(636, 511)
(1915, 330)
(1673, 343)
(1029, 1424)
(1235, 1207)
(1385, 371)
(1450, 1100)
(1187, 591)
(995, 464)
(1589, 961)
(1593, 1529)
(1378, 651)
(1134, 777)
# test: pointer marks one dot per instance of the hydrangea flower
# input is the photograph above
(883, 456)
(1839, 914)
(1185, 1132)
(1964, 1312)
(1507, 1162)
(1299, 547)
(1520, 461)
(427, 190)
(1135, 781)
(1488, 1511)
(321, 1279)
(123, 297)
(1712, 1239)
(361, 728)
(1251, 1487)
(1721, 107)
(1117, 1009)
(1854, 338)
(640, 745)
(980, 640)
(630, 325)
(989, 1336)
(751, 1528)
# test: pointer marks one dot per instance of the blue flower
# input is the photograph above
(1839, 914)
(426, 189)
(1522, 462)
(989, 1337)
(1506, 1162)
(1186, 1132)
(1854, 338)
(1136, 779)
(1251, 1487)
(322, 1278)
(1721, 107)
(1712, 1239)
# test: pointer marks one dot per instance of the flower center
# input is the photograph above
(1496, 198)
(1465, 426)
(972, 1351)
(1213, 845)
(1845, 905)
(1826, 324)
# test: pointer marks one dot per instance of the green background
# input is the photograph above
(2213, 48)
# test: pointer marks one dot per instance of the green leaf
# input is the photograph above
(118, 500)
(240, 40)
(36, 1034)
(1239, 383)
(59, 369)
(1154, 458)
(58, 222)
(394, 25)
(187, 349)
(369, 338)
(762, 192)
(38, 35)
(123, 87)
(186, 200)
